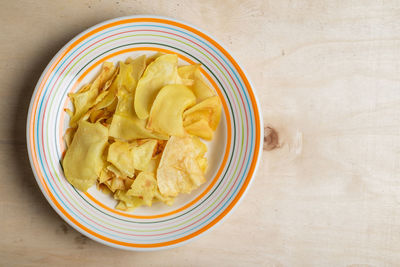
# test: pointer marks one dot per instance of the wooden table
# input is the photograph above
(327, 74)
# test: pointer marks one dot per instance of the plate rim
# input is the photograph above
(110, 244)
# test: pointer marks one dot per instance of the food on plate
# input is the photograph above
(179, 169)
(135, 131)
(167, 109)
(202, 119)
(90, 94)
(83, 160)
(199, 87)
(162, 71)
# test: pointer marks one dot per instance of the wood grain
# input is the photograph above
(327, 76)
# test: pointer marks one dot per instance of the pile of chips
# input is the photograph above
(135, 131)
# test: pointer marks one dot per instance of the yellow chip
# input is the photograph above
(153, 57)
(203, 164)
(129, 74)
(199, 146)
(103, 188)
(159, 73)
(138, 65)
(153, 165)
(200, 128)
(166, 112)
(69, 136)
(142, 154)
(187, 71)
(200, 151)
(121, 156)
(128, 182)
(129, 128)
(129, 202)
(167, 200)
(208, 109)
(179, 170)
(104, 175)
(200, 87)
(84, 100)
(115, 171)
(121, 206)
(117, 183)
(144, 187)
(126, 125)
(83, 160)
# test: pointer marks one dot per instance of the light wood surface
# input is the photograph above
(327, 74)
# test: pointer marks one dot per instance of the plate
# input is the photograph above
(233, 154)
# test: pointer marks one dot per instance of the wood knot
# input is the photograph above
(271, 139)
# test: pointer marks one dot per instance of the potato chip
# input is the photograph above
(200, 128)
(199, 146)
(125, 103)
(125, 78)
(199, 87)
(167, 200)
(202, 119)
(115, 171)
(121, 206)
(108, 83)
(83, 160)
(129, 128)
(112, 107)
(200, 151)
(126, 125)
(109, 99)
(128, 75)
(159, 73)
(84, 88)
(128, 182)
(153, 57)
(117, 183)
(129, 202)
(100, 97)
(105, 175)
(187, 71)
(138, 65)
(103, 188)
(153, 164)
(69, 112)
(203, 164)
(166, 112)
(142, 154)
(159, 148)
(96, 115)
(84, 100)
(121, 156)
(186, 74)
(208, 109)
(178, 170)
(69, 136)
(144, 187)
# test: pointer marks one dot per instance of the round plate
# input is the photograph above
(233, 154)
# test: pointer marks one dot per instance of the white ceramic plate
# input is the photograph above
(233, 154)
